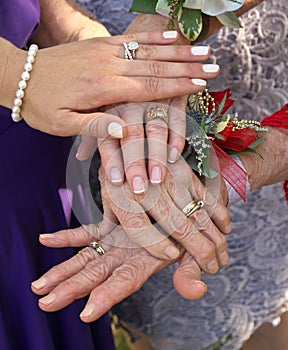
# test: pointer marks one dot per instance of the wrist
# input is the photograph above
(10, 71)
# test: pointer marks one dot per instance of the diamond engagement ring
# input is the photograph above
(130, 50)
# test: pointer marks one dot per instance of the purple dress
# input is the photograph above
(33, 180)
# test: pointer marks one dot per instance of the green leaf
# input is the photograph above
(190, 22)
(256, 143)
(219, 137)
(144, 6)
(229, 19)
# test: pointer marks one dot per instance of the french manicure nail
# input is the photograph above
(170, 34)
(115, 129)
(40, 283)
(199, 50)
(138, 185)
(210, 68)
(88, 311)
(172, 252)
(199, 82)
(48, 299)
(116, 176)
(156, 175)
(172, 155)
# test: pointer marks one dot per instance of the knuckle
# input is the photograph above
(148, 52)
(183, 229)
(155, 128)
(157, 69)
(131, 275)
(152, 84)
(135, 132)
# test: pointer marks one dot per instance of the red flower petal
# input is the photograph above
(238, 140)
(218, 98)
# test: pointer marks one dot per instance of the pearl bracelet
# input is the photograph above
(25, 76)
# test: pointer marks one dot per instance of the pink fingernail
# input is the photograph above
(172, 252)
(88, 311)
(172, 155)
(40, 283)
(116, 175)
(156, 175)
(47, 235)
(48, 299)
(138, 185)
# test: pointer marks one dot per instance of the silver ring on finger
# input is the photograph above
(192, 206)
(130, 50)
(96, 246)
(157, 112)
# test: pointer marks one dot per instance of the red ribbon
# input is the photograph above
(229, 170)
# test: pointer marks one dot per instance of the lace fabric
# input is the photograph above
(254, 287)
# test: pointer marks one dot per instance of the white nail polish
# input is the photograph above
(199, 82)
(199, 50)
(115, 129)
(170, 34)
(116, 176)
(210, 68)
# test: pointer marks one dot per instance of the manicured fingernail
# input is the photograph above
(213, 266)
(172, 252)
(88, 311)
(172, 155)
(170, 34)
(47, 235)
(116, 175)
(199, 82)
(199, 50)
(40, 283)
(115, 130)
(224, 258)
(156, 175)
(48, 299)
(138, 185)
(210, 68)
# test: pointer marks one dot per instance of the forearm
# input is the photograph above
(273, 167)
(64, 21)
(11, 66)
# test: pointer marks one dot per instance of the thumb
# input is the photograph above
(99, 125)
(102, 125)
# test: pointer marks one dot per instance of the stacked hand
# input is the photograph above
(126, 266)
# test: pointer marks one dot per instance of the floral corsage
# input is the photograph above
(212, 136)
(189, 13)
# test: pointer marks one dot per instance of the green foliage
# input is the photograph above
(190, 22)
(144, 6)
(229, 19)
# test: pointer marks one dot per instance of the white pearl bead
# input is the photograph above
(22, 84)
(16, 110)
(17, 102)
(30, 59)
(28, 67)
(16, 117)
(33, 47)
(25, 76)
(20, 93)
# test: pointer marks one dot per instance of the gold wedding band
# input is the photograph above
(95, 245)
(191, 207)
(157, 112)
